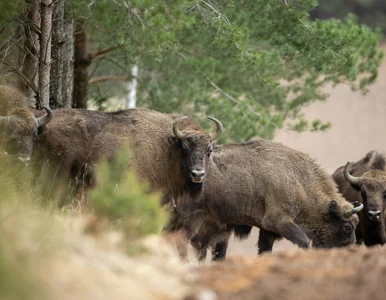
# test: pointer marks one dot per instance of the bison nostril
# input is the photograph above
(197, 173)
(374, 214)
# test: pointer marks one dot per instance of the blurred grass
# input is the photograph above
(126, 202)
(21, 226)
(30, 231)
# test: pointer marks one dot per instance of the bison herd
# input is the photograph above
(211, 190)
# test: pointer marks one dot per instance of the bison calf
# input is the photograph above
(191, 221)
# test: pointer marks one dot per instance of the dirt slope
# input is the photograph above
(351, 273)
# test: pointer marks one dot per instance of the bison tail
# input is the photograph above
(242, 232)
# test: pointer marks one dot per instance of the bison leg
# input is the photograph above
(181, 242)
(285, 227)
(266, 240)
(182, 250)
(200, 248)
(219, 251)
(358, 236)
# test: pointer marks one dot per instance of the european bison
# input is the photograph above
(365, 181)
(280, 190)
(193, 224)
(18, 124)
(169, 151)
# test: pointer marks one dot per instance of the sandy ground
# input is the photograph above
(357, 127)
(350, 273)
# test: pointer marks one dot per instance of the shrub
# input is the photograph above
(124, 200)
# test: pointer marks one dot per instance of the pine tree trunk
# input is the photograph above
(32, 49)
(68, 62)
(45, 54)
(81, 62)
(57, 58)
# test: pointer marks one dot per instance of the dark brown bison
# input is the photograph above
(193, 224)
(169, 151)
(365, 181)
(280, 190)
(18, 124)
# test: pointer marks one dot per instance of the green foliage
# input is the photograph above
(9, 10)
(252, 64)
(125, 201)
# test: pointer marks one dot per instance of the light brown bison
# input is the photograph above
(169, 151)
(364, 181)
(280, 190)
(18, 124)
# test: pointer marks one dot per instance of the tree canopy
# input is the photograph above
(252, 64)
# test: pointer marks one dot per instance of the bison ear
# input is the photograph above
(333, 210)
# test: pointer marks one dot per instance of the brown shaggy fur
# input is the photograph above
(372, 193)
(17, 133)
(278, 189)
(75, 140)
(11, 99)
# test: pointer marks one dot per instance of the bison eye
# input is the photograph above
(210, 150)
(177, 142)
(363, 194)
(347, 229)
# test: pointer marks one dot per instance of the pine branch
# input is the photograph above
(109, 78)
(103, 51)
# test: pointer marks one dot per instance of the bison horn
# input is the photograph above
(348, 213)
(45, 119)
(176, 131)
(219, 128)
(357, 181)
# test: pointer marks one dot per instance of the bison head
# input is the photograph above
(372, 186)
(339, 224)
(18, 132)
(196, 147)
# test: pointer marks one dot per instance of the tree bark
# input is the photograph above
(45, 54)
(132, 88)
(81, 62)
(32, 49)
(68, 62)
(57, 58)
